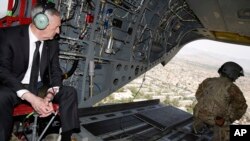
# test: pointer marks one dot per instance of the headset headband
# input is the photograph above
(47, 5)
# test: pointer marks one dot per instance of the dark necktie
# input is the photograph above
(35, 69)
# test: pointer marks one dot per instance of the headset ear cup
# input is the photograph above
(41, 21)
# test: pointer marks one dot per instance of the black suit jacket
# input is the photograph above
(14, 58)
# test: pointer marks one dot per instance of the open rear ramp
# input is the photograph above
(138, 121)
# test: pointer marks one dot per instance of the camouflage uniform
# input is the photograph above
(218, 97)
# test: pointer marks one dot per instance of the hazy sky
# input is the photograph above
(216, 53)
(234, 50)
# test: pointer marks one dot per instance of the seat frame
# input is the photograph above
(25, 109)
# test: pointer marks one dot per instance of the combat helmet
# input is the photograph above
(231, 70)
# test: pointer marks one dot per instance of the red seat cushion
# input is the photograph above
(24, 109)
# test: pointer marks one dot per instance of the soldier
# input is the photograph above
(220, 102)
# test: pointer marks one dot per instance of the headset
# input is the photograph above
(41, 20)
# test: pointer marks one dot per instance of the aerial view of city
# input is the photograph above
(177, 82)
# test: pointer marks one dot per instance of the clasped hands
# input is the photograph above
(43, 106)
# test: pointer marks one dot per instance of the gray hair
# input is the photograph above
(47, 11)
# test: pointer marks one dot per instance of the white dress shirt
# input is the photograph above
(32, 47)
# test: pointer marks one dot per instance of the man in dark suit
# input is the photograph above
(17, 46)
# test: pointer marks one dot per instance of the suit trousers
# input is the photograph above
(68, 109)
